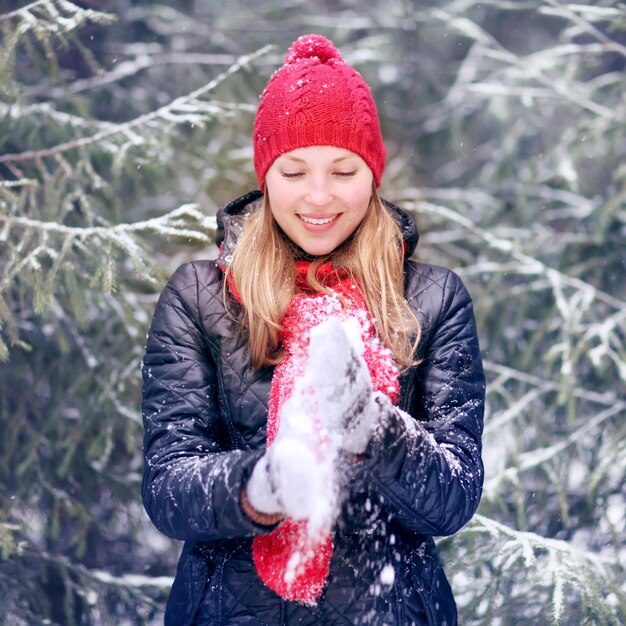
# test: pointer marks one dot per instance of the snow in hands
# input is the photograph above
(332, 410)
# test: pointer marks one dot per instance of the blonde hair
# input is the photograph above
(264, 274)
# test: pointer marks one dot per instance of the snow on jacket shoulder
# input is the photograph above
(205, 416)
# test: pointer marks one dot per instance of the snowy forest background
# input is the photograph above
(125, 125)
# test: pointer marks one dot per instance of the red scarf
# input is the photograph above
(288, 561)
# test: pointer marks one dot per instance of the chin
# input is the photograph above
(318, 250)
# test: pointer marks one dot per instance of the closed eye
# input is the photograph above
(291, 174)
(345, 174)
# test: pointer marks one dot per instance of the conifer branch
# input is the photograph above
(551, 563)
(509, 373)
(22, 182)
(22, 11)
(528, 264)
(31, 15)
(187, 221)
(132, 67)
(45, 109)
(530, 543)
(180, 110)
(9, 545)
(574, 12)
(167, 225)
(135, 583)
(568, 92)
(540, 456)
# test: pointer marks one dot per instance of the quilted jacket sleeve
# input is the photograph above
(191, 484)
(429, 470)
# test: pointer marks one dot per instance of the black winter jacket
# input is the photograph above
(205, 407)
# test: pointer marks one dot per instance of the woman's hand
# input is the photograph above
(342, 385)
(284, 482)
(331, 414)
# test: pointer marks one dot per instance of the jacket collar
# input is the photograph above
(232, 217)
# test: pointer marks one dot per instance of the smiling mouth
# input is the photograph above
(314, 220)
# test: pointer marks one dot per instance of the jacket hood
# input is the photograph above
(232, 217)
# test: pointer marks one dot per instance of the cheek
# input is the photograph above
(276, 189)
(359, 194)
(279, 201)
(360, 200)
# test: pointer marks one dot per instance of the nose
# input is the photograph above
(319, 192)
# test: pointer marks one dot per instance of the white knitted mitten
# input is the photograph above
(285, 480)
(342, 383)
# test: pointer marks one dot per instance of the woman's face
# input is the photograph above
(319, 195)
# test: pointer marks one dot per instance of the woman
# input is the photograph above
(313, 399)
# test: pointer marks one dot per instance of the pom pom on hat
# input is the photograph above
(313, 46)
(317, 99)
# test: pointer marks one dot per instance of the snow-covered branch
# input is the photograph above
(540, 456)
(552, 564)
(583, 14)
(187, 109)
(170, 224)
(54, 16)
(506, 373)
(527, 264)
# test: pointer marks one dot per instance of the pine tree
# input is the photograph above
(83, 207)
(525, 196)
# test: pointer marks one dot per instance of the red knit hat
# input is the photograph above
(317, 99)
